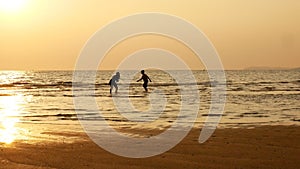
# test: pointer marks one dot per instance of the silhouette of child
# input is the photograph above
(113, 82)
(145, 79)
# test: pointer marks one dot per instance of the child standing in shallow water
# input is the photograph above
(145, 79)
(113, 82)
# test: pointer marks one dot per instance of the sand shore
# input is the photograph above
(268, 147)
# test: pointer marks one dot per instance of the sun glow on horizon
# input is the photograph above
(12, 5)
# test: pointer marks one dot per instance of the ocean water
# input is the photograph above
(40, 104)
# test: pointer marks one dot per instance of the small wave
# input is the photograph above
(237, 89)
(269, 88)
(6, 85)
(45, 117)
(67, 116)
(298, 120)
(49, 115)
(247, 113)
(250, 114)
(274, 89)
(20, 83)
(263, 83)
(283, 82)
(205, 115)
(69, 95)
(33, 85)
(259, 116)
(5, 94)
(68, 84)
(297, 82)
(57, 109)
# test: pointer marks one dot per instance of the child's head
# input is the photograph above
(142, 72)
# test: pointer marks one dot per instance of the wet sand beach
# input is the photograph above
(261, 147)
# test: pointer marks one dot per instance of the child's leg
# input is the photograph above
(116, 86)
(112, 87)
(145, 87)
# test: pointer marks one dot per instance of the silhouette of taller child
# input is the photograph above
(145, 78)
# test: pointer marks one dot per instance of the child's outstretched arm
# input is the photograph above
(149, 78)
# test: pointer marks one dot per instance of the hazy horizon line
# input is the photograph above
(247, 68)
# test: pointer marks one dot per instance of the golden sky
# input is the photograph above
(46, 35)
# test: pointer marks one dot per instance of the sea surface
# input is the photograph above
(37, 105)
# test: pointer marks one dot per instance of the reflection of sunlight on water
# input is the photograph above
(10, 107)
(7, 77)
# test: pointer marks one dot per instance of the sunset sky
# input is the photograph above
(48, 35)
